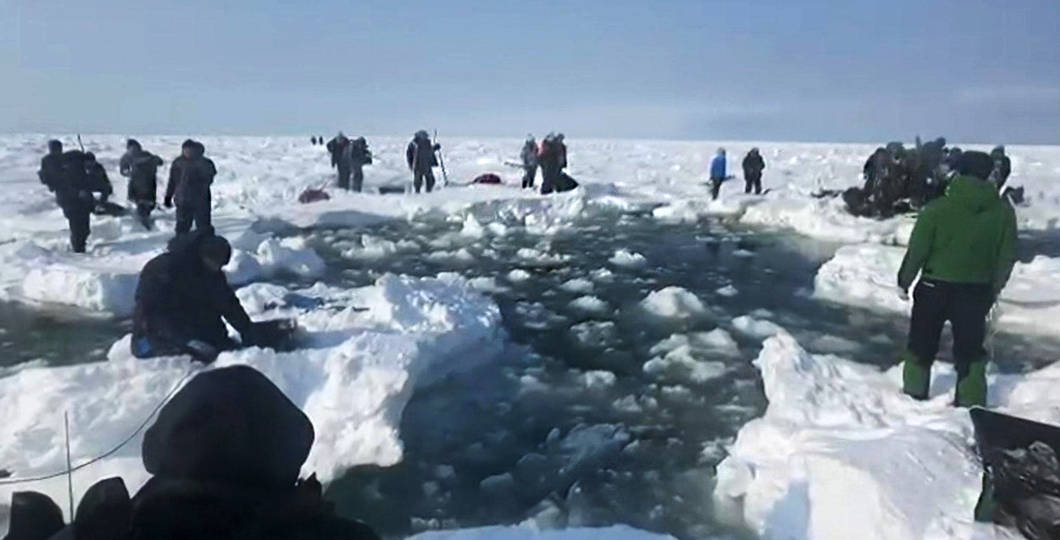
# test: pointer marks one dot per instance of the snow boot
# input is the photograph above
(971, 386)
(985, 506)
(916, 377)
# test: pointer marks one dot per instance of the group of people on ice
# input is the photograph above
(753, 164)
(899, 179)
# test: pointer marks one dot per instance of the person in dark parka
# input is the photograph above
(339, 148)
(98, 181)
(141, 168)
(529, 157)
(421, 158)
(552, 157)
(183, 300)
(753, 165)
(1002, 167)
(67, 175)
(360, 156)
(190, 177)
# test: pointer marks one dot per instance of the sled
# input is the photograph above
(488, 178)
(391, 190)
(109, 209)
(312, 195)
(1021, 475)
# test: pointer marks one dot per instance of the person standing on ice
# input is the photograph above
(67, 175)
(1002, 167)
(718, 169)
(963, 247)
(190, 177)
(339, 148)
(753, 165)
(422, 160)
(183, 300)
(141, 168)
(552, 157)
(529, 157)
(360, 156)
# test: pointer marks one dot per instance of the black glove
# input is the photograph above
(168, 202)
(437, 147)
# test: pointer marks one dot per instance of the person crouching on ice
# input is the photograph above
(963, 247)
(183, 299)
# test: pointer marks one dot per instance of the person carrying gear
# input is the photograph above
(183, 300)
(98, 181)
(529, 158)
(1002, 167)
(359, 156)
(190, 177)
(141, 168)
(964, 248)
(753, 165)
(421, 159)
(717, 173)
(67, 175)
(339, 148)
(552, 158)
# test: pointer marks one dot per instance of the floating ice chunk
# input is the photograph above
(590, 304)
(518, 275)
(673, 303)
(755, 328)
(595, 334)
(598, 379)
(472, 228)
(728, 291)
(627, 259)
(578, 285)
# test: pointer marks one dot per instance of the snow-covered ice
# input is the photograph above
(627, 259)
(841, 449)
(367, 350)
(532, 532)
(866, 275)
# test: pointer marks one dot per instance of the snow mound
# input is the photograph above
(684, 357)
(105, 280)
(366, 350)
(840, 448)
(530, 532)
(627, 259)
(673, 303)
(865, 275)
(518, 275)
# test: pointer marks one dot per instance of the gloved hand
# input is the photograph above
(437, 147)
(202, 351)
(903, 294)
(168, 202)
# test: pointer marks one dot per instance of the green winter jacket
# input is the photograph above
(968, 236)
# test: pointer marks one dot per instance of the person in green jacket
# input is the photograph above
(963, 247)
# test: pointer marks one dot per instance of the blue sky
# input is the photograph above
(825, 70)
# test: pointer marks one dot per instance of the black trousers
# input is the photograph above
(143, 213)
(344, 177)
(79, 215)
(187, 213)
(528, 176)
(966, 307)
(715, 187)
(420, 177)
(753, 181)
(358, 179)
(549, 180)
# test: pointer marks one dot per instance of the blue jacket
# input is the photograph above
(717, 167)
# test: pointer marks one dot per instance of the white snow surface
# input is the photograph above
(353, 379)
(673, 303)
(840, 448)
